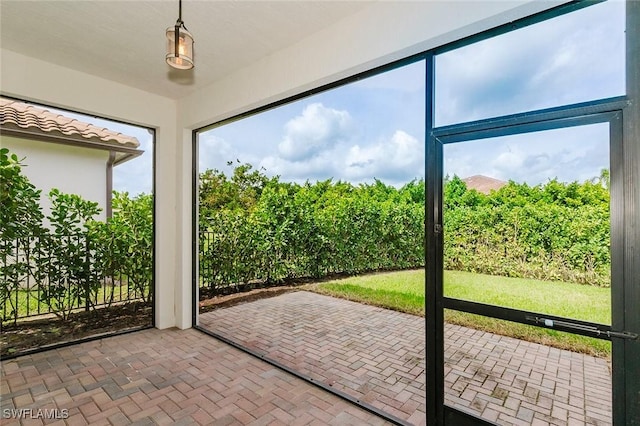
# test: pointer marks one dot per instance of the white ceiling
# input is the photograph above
(125, 41)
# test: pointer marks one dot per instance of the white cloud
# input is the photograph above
(568, 154)
(318, 129)
(397, 160)
(321, 166)
(572, 58)
(509, 161)
(213, 151)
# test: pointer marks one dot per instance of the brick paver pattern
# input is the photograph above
(374, 354)
(165, 377)
(513, 382)
(378, 356)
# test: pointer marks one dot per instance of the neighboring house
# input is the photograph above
(65, 153)
(483, 184)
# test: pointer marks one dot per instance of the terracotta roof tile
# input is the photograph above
(34, 120)
(484, 184)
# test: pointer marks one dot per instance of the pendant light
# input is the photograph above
(179, 44)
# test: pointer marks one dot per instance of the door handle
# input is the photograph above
(622, 334)
(551, 323)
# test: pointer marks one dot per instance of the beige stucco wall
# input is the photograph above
(376, 35)
(72, 170)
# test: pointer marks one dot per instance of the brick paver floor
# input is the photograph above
(185, 377)
(374, 354)
(378, 355)
(510, 381)
(164, 377)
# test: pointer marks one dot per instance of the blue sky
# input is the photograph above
(353, 132)
(568, 154)
(374, 128)
(573, 58)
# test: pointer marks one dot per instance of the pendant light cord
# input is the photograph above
(179, 22)
(176, 35)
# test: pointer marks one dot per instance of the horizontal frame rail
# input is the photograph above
(584, 328)
(545, 119)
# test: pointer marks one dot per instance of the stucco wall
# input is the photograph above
(73, 170)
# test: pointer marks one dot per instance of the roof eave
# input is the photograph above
(80, 141)
(124, 157)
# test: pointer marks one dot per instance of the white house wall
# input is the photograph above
(34, 80)
(71, 169)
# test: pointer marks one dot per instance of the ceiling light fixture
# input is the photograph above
(179, 44)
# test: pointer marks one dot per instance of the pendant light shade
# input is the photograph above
(179, 45)
(182, 58)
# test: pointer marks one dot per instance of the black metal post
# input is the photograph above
(626, 367)
(176, 33)
(176, 36)
(433, 285)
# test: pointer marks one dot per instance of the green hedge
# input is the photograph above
(255, 229)
(554, 231)
(68, 260)
(312, 230)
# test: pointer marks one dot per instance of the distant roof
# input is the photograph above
(484, 184)
(29, 121)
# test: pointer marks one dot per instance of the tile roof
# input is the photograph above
(484, 184)
(30, 120)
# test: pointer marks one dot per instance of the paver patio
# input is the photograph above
(374, 354)
(164, 377)
(378, 356)
(510, 381)
(185, 377)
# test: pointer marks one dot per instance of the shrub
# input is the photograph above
(20, 219)
(71, 257)
(259, 229)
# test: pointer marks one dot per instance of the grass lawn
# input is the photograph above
(404, 291)
(27, 301)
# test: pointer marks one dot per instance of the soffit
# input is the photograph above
(124, 41)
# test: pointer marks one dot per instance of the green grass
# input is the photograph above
(404, 291)
(568, 300)
(27, 301)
